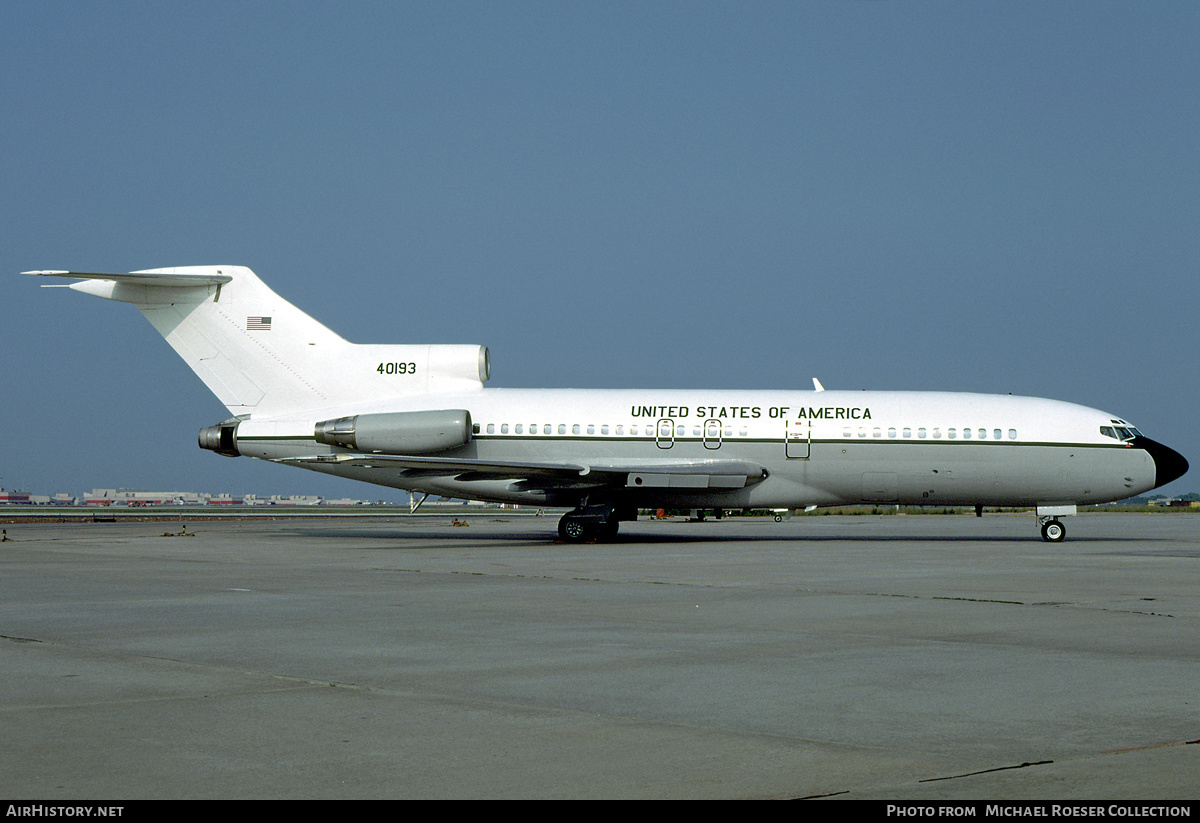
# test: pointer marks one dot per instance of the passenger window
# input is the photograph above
(892, 432)
(591, 428)
(575, 429)
(604, 429)
(621, 430)
(547, 429)
(907, 431)
(921, 432)
(937, 433)
(995, 434)
(983, 434)
(952, 433)
(491, 429)
(1012, 434)
(520, 428)
(966, 434)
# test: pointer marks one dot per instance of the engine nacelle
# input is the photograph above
(221, 438)
(398, 432)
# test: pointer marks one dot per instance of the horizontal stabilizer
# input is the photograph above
(143, 278)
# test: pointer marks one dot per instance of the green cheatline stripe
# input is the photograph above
(873, 441)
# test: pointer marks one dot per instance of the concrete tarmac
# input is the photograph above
(887, 657)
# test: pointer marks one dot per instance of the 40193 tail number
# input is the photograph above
(397, 368)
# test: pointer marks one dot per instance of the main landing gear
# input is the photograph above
(1053, 531)
(589, 522)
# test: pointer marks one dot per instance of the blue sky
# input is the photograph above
(984, 196)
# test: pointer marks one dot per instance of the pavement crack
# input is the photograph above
(988, 771)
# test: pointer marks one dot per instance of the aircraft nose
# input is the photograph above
(1168, 464)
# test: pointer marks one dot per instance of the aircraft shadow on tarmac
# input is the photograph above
(451, 535)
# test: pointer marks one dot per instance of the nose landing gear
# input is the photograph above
(1053, 531)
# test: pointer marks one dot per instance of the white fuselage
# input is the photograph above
(819, 448)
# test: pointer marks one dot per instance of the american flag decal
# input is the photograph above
(258, 324)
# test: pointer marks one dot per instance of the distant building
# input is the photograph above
(294, 500)
(128, 497)
(9, 497)
(133, 498)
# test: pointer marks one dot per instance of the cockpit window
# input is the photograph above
(1121, 433)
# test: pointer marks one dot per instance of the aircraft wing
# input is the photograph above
(677, 475)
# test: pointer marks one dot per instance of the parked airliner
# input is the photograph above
(418, 417)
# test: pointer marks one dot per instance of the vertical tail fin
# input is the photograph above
(261, 355)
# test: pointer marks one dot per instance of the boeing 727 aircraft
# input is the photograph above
(417, 417)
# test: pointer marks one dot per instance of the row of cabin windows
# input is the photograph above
(711, 431)
(935, 432)
(605, 430)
